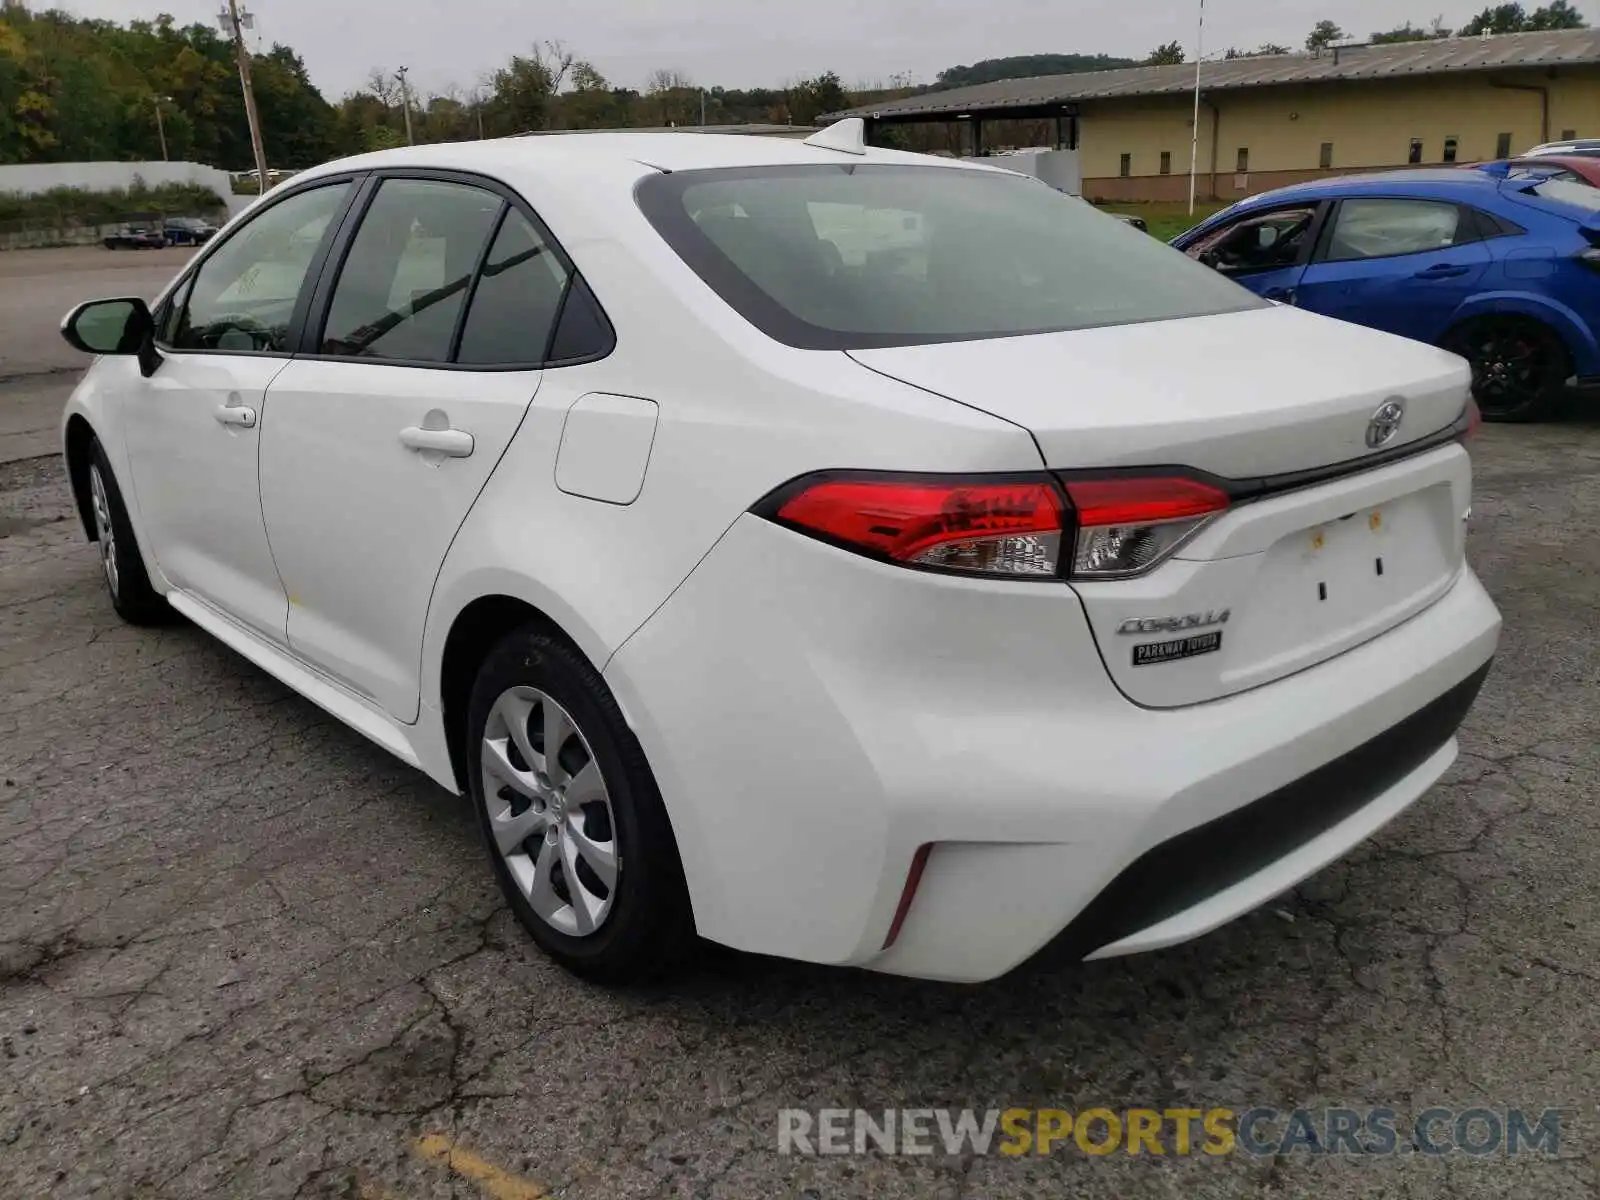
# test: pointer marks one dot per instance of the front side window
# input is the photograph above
(1266, 241)
(863, 255)
(404, 281)
(517, 298)
(1379, 228)
(243, 297)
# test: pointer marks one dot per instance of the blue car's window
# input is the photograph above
(1262, 241)
(1378, 227)
(1579, 194)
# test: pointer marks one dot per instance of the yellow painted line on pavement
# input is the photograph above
(494, 1182)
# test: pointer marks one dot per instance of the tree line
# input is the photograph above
(1500, 18)
(83, 90)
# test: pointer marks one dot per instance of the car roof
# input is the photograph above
(661, 151)
(1425, 181)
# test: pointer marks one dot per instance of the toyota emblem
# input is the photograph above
(1385, 423)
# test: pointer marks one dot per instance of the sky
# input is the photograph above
(749, 43)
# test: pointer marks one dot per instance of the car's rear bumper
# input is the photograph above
(814, 718)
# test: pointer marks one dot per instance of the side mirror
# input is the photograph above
(121, 326)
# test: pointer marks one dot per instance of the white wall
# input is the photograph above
(31, 178)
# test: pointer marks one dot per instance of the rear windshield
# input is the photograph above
(1580, 195)
(862, 255)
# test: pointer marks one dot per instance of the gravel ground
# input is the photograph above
(246, 954)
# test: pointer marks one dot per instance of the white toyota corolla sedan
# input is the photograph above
(831, 552)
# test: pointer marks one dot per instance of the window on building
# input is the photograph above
(1450, 149)
(1125, 166)
(1414, 155)
(1325, 158)
(1502, 145)
(1568, 134)
(1242, 166)
(1166, 162)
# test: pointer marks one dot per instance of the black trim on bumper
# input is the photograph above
(1200, 862)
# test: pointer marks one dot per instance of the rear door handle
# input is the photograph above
(1441, 271)
(236, 414)
(452, 443)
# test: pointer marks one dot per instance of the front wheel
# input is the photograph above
(1518, 365)
(573, 822)
(120, 561)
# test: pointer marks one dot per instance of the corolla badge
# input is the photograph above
(1197, 620)
(1385, 423)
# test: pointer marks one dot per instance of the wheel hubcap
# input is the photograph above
(550, 811)
(105, 538)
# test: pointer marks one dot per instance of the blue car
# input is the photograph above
(1501, 269)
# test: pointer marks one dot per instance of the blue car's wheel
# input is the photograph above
(1518, 365)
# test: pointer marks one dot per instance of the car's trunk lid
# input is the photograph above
(1241, 395)
(1307, 565)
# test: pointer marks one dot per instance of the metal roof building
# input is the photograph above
(1535, 85)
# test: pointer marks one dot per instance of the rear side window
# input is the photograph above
(1380, 227)
(856, 256)
(517, 299)
(404, 281)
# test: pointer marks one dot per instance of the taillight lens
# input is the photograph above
(1126, 526)
(980, 527)
(1111, 528)
(1589, 256)
(1474, 420)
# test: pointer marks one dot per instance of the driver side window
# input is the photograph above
(243, 296)
(1260, 242)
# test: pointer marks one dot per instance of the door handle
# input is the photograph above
(451, 443)
(1283, 295)
(1441, 271)
(236, 414)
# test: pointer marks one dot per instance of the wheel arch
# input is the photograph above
(77, 438)
(1573, 332)
(474, 631)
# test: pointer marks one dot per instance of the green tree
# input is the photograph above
(1323, 34)
(1265, 50)
(1167, 55)
(810, 98)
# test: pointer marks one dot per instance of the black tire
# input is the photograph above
(1519, 365)
(126, 580)
(648, 929)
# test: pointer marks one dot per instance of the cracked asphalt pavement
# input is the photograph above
(246, 954)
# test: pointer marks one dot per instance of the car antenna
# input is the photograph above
(848, 136)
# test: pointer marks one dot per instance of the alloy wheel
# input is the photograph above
(105, 534)
(550, 811)
(1511, 367)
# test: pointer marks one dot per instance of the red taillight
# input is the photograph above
(1112, 527)
(1128, 525)
(990, 527)
(1474, 419)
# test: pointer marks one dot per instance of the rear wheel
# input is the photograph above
(569, 810)
(1518, 365)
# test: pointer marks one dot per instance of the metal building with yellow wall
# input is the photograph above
(1266, 122)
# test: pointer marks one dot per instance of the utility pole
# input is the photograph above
(405, 101)
(161, 129)
(1194, 132)
(236, 22)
